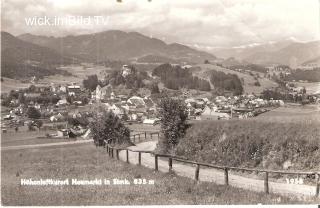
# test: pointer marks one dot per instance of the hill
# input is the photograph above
(117, 45)
(248, 80)
(21, 59)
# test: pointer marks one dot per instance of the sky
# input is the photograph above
(197, 23)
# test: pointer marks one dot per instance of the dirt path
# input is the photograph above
(44, 145)
(216, 176)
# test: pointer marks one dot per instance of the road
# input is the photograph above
(45, 145)
(212, 175)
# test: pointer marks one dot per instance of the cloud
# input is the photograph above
(208, 23)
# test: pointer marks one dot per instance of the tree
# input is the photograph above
(154, 88)
(38, 124)
(91, 82)
(21, 98)
(107, 126)
(173, 115)
(33, 113)
(206, 62)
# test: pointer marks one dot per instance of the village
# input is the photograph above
(68, 109)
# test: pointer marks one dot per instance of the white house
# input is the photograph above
(126, 70)
(73, 90)
(135, 100)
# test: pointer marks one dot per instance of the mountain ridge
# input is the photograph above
(117, 45)
(287, 52)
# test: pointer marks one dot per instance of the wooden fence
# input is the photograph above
(114, 152)
(143, 136)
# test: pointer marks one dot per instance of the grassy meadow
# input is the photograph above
(286, 135)
(85, 161)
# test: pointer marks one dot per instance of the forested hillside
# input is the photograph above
(176, 77)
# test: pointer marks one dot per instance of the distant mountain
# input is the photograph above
(15, 50)
(117, 45)
(23, 59)
(288, 52)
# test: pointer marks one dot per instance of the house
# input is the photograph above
(63, 133)
(73, 90)
(55, 118)
(8, 117)
(186, 66)
(103, 93)
(32, 95)
(117, 109)
(212, 114)
(126, 70)
(137, 101)
(63, 89)
(150, 121)
(62, 102)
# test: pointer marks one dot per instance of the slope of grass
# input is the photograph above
(254, 143)
(249, 80)
(85, 162)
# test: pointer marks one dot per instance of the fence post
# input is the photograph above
(127, 151)
(112, 152)
(156, 162)
(317, 184)
(170, 164)
(226, 177)
(196, 175)
(145, 135)
(139, 158)
(117, 153)
(266, 183)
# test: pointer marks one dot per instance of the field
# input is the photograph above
(311, 87)
(249, 86)
(11, 84)
(85, 162)
(292, 113)
(25, 137)
(286, 135)
(79, 72)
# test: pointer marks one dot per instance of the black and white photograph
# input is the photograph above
(160, 102)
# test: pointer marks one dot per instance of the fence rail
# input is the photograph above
(143, 136)
(226, 169)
